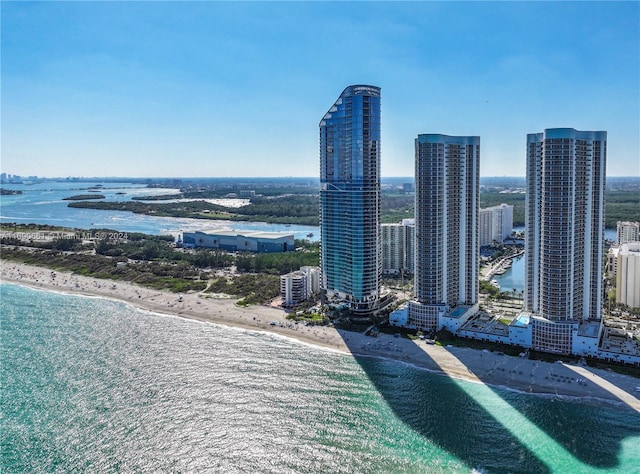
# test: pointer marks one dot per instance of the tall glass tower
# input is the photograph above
(447, 247)
(564, 224)
(350, 199)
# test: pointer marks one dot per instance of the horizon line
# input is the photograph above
(249, 177)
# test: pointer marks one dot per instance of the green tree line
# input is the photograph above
(302, 209)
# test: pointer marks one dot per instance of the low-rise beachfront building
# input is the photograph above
(586, 338)
(293, 288)
(298, 286)
(619, 346)
(430, 317)
(582, 338)
(454, 319)
(520, 333)
(400, 317)
(232, 241)
(484, 327)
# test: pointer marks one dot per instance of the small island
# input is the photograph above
(9, 192)
(83, 197)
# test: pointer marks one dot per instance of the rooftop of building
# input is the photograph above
(619, 341)
(457, 312)
(487, 324)
(358, 89)
(629, 248)
(589, 329)
(521, 321)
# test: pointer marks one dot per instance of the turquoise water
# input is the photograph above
(513, 277)
(90, 385)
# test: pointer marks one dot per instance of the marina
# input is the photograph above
(501, 267)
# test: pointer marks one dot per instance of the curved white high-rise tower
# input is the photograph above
(564, 224)
(447, 250)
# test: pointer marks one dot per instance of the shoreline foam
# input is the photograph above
(498, 371)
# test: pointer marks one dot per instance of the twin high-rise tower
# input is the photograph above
(564, 233)
(564, 222)
(447, 253)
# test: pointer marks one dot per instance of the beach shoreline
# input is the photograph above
(493, 369)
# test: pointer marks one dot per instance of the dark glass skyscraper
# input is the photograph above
(350, 199)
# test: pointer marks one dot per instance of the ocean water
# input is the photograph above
(91, 385)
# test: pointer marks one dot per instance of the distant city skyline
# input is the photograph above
(213, 89)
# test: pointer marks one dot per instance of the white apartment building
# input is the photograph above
(392, 248)
(447, 248)
(313, 279)
(564, 224)
(627, 232)
(298, 286)
(398, 241)
(628, 275)
(495, 224)
(410, 244)
(612, 261)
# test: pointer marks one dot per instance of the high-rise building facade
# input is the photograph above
(409, 244)
(350, 199)
(447, 171)
(564, 226)
(393, 239)
(496, 224)
(398, 247)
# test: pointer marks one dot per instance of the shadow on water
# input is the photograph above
(494, 429)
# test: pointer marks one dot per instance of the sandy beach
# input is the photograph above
(496, 370)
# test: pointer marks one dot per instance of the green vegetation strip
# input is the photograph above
(152, 261)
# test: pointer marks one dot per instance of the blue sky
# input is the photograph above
(238, 88)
